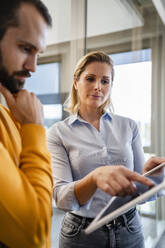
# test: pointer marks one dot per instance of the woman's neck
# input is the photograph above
(91, 115)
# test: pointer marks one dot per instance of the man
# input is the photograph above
(25, 170)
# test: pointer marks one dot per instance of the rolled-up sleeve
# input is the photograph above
(63, 181)
(137, 148)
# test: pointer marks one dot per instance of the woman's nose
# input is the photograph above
(98, 85)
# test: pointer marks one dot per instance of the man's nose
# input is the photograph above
(31, 63)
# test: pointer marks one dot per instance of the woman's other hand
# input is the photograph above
(152, 163)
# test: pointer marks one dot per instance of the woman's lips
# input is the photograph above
(95, 96)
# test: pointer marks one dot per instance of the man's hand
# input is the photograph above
(118, 180)
(152, 163)
(24, 106)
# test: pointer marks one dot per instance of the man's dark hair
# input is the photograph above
(9, 13)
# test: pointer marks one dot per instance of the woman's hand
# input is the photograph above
(152, 163)
(117, 180)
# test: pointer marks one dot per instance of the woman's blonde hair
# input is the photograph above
(72, 103)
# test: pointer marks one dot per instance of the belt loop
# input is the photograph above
(125, 219)
(83, 222)
(111, 224)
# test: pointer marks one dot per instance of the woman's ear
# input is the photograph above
(75, 84)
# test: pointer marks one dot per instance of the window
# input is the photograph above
(46, 85)
(131, 92)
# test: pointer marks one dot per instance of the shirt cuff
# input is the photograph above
(67, 200)
(76, 206)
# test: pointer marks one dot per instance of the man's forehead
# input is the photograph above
(32, 25)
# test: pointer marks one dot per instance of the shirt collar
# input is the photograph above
(107, 116)
(75, 118)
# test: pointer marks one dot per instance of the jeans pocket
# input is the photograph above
(71, 226)
(133, 224)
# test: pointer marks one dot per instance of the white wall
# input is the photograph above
(104, 16)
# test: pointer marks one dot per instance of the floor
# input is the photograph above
(161, 243)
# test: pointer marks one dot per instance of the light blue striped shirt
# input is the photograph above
(77, 148)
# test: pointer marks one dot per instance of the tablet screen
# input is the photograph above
(119, 205)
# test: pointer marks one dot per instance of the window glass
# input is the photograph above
(46, 79)
(52, 114)
(46, 85)
(131, 92)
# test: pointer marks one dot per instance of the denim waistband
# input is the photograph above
(121, 220)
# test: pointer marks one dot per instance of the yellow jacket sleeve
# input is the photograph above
(26, 192)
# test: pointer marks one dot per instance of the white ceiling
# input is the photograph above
(104, 16)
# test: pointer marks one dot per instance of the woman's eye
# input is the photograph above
(90, 79)
(105, 82)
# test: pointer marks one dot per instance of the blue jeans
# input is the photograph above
(127, 233)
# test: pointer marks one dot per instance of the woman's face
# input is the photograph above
(93, 86)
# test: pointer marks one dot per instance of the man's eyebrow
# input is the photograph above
(31, 45)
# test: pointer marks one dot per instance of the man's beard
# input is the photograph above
(9, 81)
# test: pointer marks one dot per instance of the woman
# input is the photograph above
(95, 156)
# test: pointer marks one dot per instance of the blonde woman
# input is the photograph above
(96, 155)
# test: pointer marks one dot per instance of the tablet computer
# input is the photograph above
(119, 205)
(154, 170)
